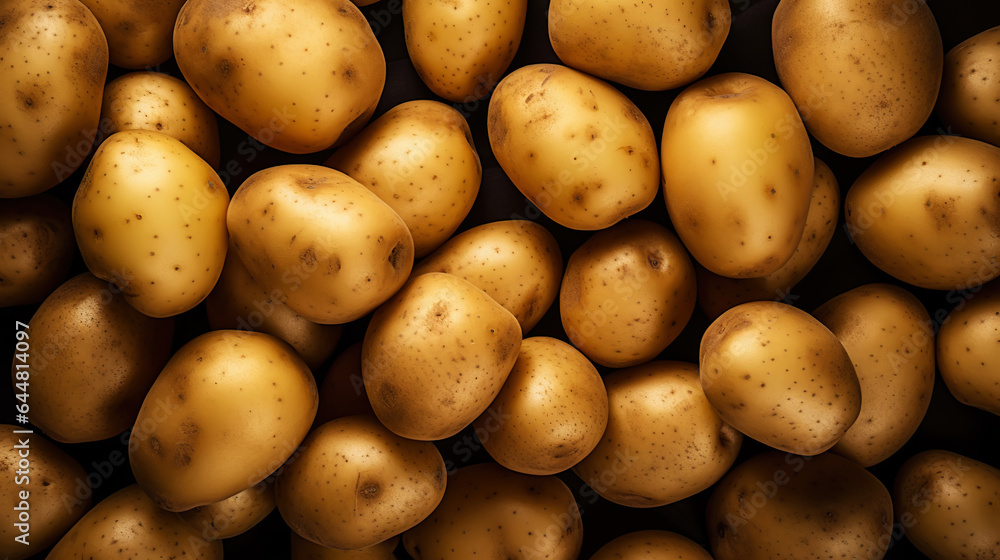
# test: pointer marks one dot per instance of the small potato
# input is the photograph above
(928, 212)
(150, 216)
(737, 174)
(968, 350)
(342, 392)
(51, 481)
(233, 516)
(162, 103)
(355, 484)
(516, 262)
(328, 246)
(308, 550)
(971, 87)
(491, 513)
(664, 441)
(139, 32)
(92, 358)
(651, 545)
(418, 158)
(461, 48)
(549, 414)
(576, 147)
(36, 248)
(627, 293)
(778, 375)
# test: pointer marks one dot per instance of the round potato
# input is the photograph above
(650, 46)
(971, 86)
(297, 75)
(331, 248)
(461, 48)
(517, 262)
(928, 212)
(233, 516)
(778, 375)
(139, 32)
(355, 484)
(651, 545)
(737, 174)
(864, 75)
(968, 350)
(491, 513)
(308, 550)
(91, 361)
(342, 392)
(418, 158)
(436, 355)
(36, 248)
(227, 410)
(664, 441)
(55, 61)
(627, 293)
(577, 148)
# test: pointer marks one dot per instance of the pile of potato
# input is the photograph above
(430, 280)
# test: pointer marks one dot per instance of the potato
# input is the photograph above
(56, 59)
(644, 46)
(356, 484)
(92, 358)
(419, 158)
(778, 505)
(491, 513)
(139, 33)
(971, 86)
(549, 414)
(968, 350)
(779, 376)
(436, 355)
(331, 248)
(949, 505)
(163, 245)
(36, 248)
(128, 524)
(651, 545)
(737, 174)
(161, 103)
(718, 293)
(890, 339)
(237, 302)
(461, 48)
(627, 293)
(297, 75)
(577, 148)
(864, 76)
(664, 441)
(307, 550)
(928, 212)
(233, 516)
(38, 495)
(342, 392)
(227, 410)
(517, 262)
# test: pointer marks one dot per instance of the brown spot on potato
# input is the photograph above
(308, 257)
(182, 457)
(154, 444)
(225, 68)
(368, 490)
(397, 256)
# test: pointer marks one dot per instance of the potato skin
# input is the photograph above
(139, 32)
(308, 550)
(912, 212)
(651, 545)
(36, 248)
(971, 86)
(342, 392)
(968, 350)
(233, 516)
(56, 59)
(576, 147)
(863, 78)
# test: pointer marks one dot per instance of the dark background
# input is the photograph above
(948, 424)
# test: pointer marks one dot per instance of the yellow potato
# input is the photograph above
(92, 359)
(297, 75)
(971, 86)
(516, 262)
(491, 513)
(650, 46)
(227, 410)
(55, 61)
(418, 158)
(150, 216)
(576, 147)
(355, 484)
(36, 248)
(139, 32)
(864, 75)
(461, 48)
(968, 350)
(436, 355)
(737, 174)
(342, 392)
(928, 216)
(664, 441)
(307, 550)
(778, 375)
(627, 293)
(233, 516)
(331, 248)
(651, 545)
